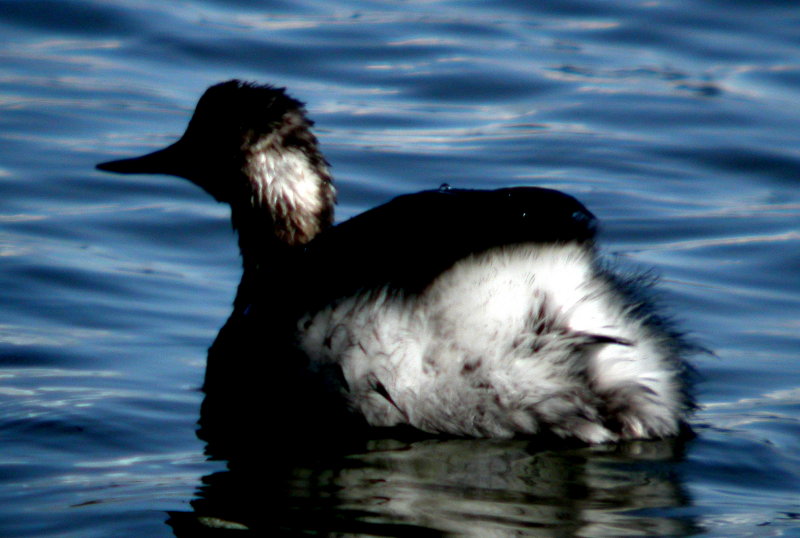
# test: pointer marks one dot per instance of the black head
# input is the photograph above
(230, 118)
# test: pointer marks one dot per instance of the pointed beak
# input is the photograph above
(179, 159)
(170, 160)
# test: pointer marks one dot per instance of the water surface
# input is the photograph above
(675, 122)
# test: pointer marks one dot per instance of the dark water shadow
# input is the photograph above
(394, 487)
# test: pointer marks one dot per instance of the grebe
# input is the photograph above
(459, 312)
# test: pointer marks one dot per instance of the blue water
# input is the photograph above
(676, 122)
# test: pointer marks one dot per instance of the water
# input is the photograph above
(676, 122)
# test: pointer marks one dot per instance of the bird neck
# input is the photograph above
(289, 199)
(268, 261)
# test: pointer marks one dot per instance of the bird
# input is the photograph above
(455, 312)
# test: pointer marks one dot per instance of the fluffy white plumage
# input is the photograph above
(516, 340)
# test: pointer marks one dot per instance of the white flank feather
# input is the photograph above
(506, 342)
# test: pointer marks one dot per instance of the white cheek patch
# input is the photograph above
(285, 178)
(290, 186)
